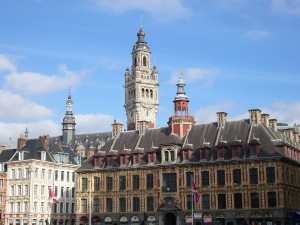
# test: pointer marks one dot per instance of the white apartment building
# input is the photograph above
(31, 173)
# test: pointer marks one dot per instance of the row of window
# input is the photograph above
(122, 183)
(170, 180)
(62, 176)
(62, 207)
(18, 190)
(171, 155)
(238, 202)
(68, 192)
(136, 205)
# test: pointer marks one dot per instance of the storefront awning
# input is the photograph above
(84, 219)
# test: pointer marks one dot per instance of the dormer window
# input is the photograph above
(21, 156)
(151, 157)
(169, 155)
(135, 159)
(1, 167)
(221, 149)
(123, 160)
(253, 151)
(254, 147)
(109, 160)
(221, 152)
(236, 151)
(43, 155)
(185, 154)
(97, 161)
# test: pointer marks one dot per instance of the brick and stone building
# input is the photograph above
(245, 171)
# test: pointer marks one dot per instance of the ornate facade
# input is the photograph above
(141, 86)
(245, 171)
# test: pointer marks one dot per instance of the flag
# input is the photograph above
(197, 196)
(53, 196)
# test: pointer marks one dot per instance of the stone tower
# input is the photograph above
(141, 86)
(68, 123)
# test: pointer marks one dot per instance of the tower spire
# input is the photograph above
(68, 123)
(141, 86)
(181, 121)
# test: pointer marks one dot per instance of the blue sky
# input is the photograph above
(235, 55)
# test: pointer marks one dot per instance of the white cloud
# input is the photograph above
(6, 64)
(286, 6)
(18, 108)
(189, 75)
(163, 10)
(284, 112)
(208, 114)
(86, 123)
(31, 83)
(257, 34)
(35, 129)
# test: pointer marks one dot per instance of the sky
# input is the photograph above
(235, 55)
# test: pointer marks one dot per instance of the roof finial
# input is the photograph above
(180, 73)
(70, 90)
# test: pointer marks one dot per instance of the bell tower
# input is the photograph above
(68, 123)
(141, 86)
(181, 121)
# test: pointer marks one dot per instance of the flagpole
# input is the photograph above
(192, 202)
(90, 213)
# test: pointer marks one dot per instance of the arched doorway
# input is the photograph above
(169, 219)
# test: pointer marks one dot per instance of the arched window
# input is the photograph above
(144, 61)
(135, 61)
(147, 93)
(151, 94)
(143, 92)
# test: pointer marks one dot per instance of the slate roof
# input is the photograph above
(6, 155)
(88, 140)
(34, 147)
(241, 133)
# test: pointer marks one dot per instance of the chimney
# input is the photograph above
(273, 124)
(116, 129)
(91, 151)
(222, 119)
(143, 126)
(21, 142)
(255, 116)
(265, 119)
(296, 136)
(289, 133)
(45, 140)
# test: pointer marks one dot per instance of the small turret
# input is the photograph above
(181, 121)
(68, 123)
